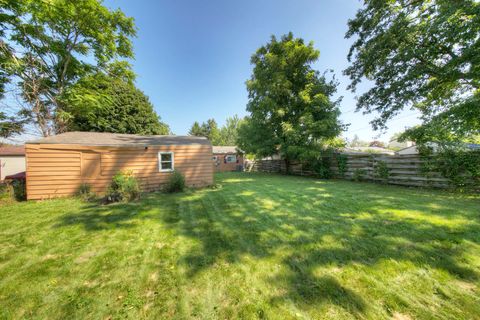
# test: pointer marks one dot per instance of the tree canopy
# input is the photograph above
(290, 103)
(423, 55)
(229, 132)
(224, 136)
(47, 46)
(109, 103)
(207, 129)
(9, 125)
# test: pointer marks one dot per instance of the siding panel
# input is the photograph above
(58, 170)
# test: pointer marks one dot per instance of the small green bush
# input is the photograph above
(19, 189)
(85, 192)
(359, 174)
(461, 167)
(321, 166)
(382, 171)
(342, 164)
(175, 183)
(124, 188)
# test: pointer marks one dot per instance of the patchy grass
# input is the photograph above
(259, 246)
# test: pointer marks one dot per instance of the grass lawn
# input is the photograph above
(258, 246)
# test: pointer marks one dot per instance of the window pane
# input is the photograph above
(166, 156)
(166, 165)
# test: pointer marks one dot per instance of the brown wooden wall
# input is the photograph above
(221, 166)
(404, 170)
(59, 170)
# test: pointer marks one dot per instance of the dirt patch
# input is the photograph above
(84, 257)
(400, 316)
(466, 285)
(153, 277)
(50, 257)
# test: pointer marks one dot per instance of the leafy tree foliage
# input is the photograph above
(197, 130)
(224, 136)
(48, 45)
(108, 103)
(229, 132)
(377, 144)
(290, 104)
(420, 54)
(207, 129)
(9, 126)
(357, 142)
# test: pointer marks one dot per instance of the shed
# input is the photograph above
(12, 161)
(228, 158)
(58, 165)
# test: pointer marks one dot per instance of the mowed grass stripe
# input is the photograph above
(256, 246)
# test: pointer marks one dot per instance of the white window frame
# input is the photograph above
(160, 169)
(230, 155)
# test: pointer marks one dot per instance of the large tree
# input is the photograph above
(229, 131)
(109, 103)
(290, 103)
(197, 130)
(207, 129)
(47, 45)
(224, 136)
(421, 54)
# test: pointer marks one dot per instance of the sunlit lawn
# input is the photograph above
(257, 246)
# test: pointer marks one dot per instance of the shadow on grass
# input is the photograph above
(258, 215)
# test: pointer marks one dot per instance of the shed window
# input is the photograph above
(165, 161)
(231, 159)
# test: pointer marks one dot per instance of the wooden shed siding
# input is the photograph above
(59, 170)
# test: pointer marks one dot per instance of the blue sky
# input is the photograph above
(192, 58)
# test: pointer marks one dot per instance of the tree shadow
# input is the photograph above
(259, 215)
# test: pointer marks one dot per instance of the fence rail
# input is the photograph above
(406, 170)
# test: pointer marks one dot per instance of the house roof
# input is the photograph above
(119, 140)
(407, 148)
(12, 151)
(226, 149)
(368, 150)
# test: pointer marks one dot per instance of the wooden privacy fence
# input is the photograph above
(406, 170)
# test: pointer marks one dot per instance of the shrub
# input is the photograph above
(124, 187)
(382, 171)
(18, 189)
(359, 174)
(342, 164)
(461, 167)
(175, 183)
(321, 166)
(85, 191)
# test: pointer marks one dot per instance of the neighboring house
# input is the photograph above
(378, 150)
(58, 165)
(12, 161)
(396, 145)
(407, 151)
(228, 158)
(414, 149)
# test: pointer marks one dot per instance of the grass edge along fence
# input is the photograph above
(406, 170)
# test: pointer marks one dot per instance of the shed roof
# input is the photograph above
(118, 140)
(226, 149)
(12, 151)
